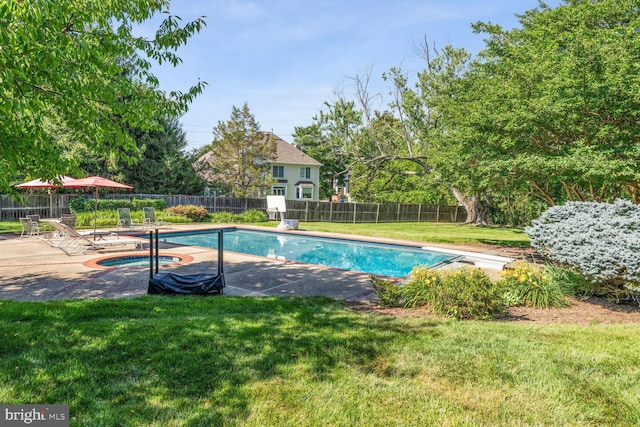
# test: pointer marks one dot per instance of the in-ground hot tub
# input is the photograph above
(136, 260)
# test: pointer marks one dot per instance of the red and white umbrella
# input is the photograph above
(97, 182)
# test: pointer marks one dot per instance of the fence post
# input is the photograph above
(419, 211)
(455, 219)
(438, 213)
(330, 211)
(377, 213)
(398, 213)
(355, 210)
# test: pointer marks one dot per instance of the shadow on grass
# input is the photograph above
(186, 360)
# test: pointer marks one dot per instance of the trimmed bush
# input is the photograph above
(527, 285)
(157, 204)
(194, 213)
(82, 204)
(601, 240)
(467, 293)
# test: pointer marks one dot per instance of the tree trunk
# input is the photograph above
(477, 212)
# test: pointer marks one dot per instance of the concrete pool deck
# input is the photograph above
(31, 269)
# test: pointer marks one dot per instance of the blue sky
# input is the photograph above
(286, 57)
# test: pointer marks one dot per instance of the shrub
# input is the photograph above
(527, 285)
(157, 204)
(570, 280)
(252, 215)
(389, 294)
(601, 240)
(222, 217)
(192, 212)
(467, 293)
(81, 204)
(114, 204)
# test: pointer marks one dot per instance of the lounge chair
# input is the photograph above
(278, 204)
(75, 243)
(125, 221)
(150, 219)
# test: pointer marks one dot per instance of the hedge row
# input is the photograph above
(81, 204)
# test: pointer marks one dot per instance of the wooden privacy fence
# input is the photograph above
(307, 211)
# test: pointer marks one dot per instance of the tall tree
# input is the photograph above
(327, 139)
(163, 166)
(79, 64)
(240, 155)
(558, 100)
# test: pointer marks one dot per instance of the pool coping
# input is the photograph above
(95, 262)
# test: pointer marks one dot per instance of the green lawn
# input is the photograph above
(181, 361)
(428, 232)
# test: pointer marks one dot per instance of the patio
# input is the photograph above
(31, 269)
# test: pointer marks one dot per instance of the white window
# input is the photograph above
(305, 173)
(304, 192)
(279, 191)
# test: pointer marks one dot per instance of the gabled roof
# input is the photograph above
(285, 154)
(290, 154)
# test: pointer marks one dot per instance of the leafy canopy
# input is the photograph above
(80, 65)
(558, 100)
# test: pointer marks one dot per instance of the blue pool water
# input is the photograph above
(371, 258)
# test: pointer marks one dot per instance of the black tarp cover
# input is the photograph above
(186, 284)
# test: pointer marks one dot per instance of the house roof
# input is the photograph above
(285, 153)
(290, 154)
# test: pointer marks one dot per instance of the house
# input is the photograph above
(296, 175)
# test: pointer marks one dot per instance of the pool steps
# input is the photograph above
(490, 262)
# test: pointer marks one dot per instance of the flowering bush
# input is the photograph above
(601, 240)
(467, 293)
(527, 285)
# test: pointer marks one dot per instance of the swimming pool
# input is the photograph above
(372, 258)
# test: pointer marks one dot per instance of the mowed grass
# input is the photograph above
(184, 361)
(436, 232)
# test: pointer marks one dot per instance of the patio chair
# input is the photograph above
(278, 204)
(150, 219)
(29, 228)
(125, 221)
(74, 243)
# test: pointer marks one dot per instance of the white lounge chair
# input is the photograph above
(278, 204)
(75, 243)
